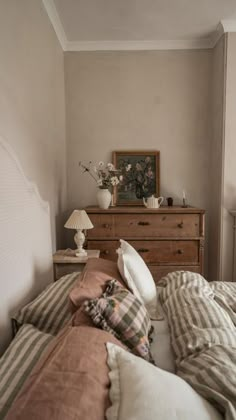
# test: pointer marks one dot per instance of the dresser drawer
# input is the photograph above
(103, 226)
(153, 252)
(171, 252)
(141, 225)
(107, 248)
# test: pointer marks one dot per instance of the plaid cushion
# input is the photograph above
(121, 313)
(50, 310)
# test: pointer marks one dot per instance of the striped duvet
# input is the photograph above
(18, 361)
(50, 311)
(202, 320)
(35, 326)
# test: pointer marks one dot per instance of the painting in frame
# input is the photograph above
(140, 176)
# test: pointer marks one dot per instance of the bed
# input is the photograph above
(72, 377)
(74, 357)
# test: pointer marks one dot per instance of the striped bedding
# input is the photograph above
(18, 361)
(225, 295)
(201, 318)
(50, 311)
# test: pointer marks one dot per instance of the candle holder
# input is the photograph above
(184, 203)
(170, 201)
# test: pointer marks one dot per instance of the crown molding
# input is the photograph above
(139, 45)
(229, 25)
(56, 22)
(217, 34)
(223, 27)
(190, 44)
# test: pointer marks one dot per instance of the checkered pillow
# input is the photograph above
(121, 313)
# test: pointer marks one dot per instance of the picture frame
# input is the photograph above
(140, 176)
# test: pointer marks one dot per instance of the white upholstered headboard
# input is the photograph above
(25, 241)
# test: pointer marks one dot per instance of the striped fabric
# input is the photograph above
(203, 337)
(121, 313)
(50, 310)
(18, 361)
(224, 294)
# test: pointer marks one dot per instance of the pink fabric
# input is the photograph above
(92, 281)
(71, 381)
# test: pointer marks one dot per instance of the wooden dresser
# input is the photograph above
(168, 238)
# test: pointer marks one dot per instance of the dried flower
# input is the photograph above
(105, 175)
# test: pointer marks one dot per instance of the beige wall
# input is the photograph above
(140, 100)
(229, 182)
(32, 106)
(216, 159)
(158, 100)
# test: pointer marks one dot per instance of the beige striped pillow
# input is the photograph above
(18, 361)
(50, 310)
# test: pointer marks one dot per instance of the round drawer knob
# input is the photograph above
(180, 251)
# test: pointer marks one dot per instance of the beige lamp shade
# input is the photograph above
(79, 220)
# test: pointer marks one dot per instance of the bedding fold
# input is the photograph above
(201, 318)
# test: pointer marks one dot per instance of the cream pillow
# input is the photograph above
(141, 391)
(137, 276)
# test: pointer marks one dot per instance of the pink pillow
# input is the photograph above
(92, 281)
(71, 380)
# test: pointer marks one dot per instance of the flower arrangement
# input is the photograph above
(138, 177)
(106, 176)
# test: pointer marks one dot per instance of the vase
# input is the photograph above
(103, 198)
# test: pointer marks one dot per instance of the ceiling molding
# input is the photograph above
(223, 27)
(229, 25)
(199, 43)
(139, 45)
(217, 34)
(56, 22)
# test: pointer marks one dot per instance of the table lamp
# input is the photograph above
(79, 221)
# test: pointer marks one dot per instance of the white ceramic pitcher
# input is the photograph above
(153, 202)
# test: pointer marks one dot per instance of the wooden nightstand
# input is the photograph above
(65, 261)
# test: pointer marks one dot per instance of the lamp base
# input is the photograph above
(79, 240)
(81, 253)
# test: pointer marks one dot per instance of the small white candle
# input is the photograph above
(184, 196)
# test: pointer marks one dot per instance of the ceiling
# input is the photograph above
(81, 23)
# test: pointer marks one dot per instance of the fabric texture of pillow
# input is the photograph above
(137, 276)
(70, 381)
(92, 281)
(18, 361)
(140, 391)
(50, 311)
(121, 313)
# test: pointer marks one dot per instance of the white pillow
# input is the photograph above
(141, 391)
(137, 276)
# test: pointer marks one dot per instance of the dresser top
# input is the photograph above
(143, 209)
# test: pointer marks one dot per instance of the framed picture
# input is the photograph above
(140, 176)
